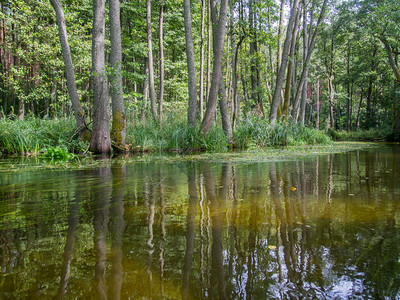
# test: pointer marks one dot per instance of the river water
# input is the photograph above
(318, 227)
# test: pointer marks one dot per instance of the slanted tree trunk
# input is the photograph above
(162, 71)
(284, 60)
(305, 65)
(280, 35)
(219, 38)
(151, 62)
(286, 101)
(100, 141)
(79, 113)
(192, 88)
(118, 110)
(223, 103)
(304, 73)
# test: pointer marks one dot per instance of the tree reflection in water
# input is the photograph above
(202, 230)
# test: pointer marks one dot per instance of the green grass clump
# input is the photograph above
(33, 135)
(174, 135)
(261, 133)
(359, 135)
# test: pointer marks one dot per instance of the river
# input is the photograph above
(317, 227)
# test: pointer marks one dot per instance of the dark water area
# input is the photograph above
(320, 227)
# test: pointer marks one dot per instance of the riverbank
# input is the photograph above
(16, 163)
(57, 138)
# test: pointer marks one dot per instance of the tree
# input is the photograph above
(284, 59)
(82, 129)
(192, 88)
(100, 141)
(118, 109)
(218, 39)
(162, 68)
(151, 62)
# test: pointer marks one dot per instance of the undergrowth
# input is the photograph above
(34, 135)
(260, 133)
(55, 138)
(360, 135)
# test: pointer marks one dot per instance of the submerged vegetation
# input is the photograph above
(57, 138)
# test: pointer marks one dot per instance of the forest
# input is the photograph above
(196, 75)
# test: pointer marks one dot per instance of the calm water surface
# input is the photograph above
(322, 227)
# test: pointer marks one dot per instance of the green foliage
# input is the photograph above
(360, 135)
(33, 134)
(59, 153)
(261, 133)
(175, 135)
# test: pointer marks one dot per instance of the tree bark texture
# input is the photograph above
(201, 100)
(284, 60)
(162, 68)
(286, 97)
(304, 73)
(117, 96)
(192, 87)
(219, 38)
(223, 102)
(79, 113)
(151, 62)
(100, 142)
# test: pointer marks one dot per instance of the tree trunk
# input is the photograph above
(100, 142)
(192, 87)
(305, 65)
(151, 62)
(79, 113)
(208, 85)
(349, 96)
(253, 53)
(395, 68)
(285, 110)
(201, 102)
(331, 97)
(280, 35)
(219, 38)
(223, 103)
(162, 71)
(304, 74)
(317, 121)
(118, 110)
(284, 60)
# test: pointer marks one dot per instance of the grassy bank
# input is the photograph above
(56, 137)
(360, 135)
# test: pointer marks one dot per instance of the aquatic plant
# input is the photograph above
(58, 153)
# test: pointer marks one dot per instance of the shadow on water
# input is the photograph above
(319, 227)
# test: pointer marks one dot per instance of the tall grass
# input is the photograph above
(32, 135)
(260, 133)
(174, 135)
(360, 135)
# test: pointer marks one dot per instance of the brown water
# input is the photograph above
(324, 227)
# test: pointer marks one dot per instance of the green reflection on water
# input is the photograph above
(322, 226)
